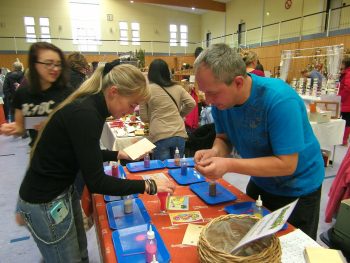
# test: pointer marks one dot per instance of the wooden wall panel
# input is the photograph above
(269, 55)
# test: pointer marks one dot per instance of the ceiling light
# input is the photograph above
(267, 13)
(193, 8)
(131, 1)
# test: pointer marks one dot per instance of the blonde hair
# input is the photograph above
(128, 79)
(249, 57)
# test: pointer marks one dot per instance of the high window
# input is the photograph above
(29, 24)
(183, 35)
(85, 20)
(173, 35)
(44, 23)
(123, 31)
(135, 34)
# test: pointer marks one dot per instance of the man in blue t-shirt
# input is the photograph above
(266, 121)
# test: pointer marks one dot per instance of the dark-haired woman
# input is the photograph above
(45, 86)
(165, 111)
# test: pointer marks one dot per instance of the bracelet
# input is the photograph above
(152, 187)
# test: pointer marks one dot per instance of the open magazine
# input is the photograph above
(267, 225)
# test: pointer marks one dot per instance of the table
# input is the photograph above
(111, 141)
(329, 134)
(171, 235)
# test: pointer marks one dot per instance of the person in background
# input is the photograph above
(94, 65)
(3, 72)
(78, 69)
(344, 93)
(70, 141)
(269, 128)
(313, 74)
(197, 51)
(259, 66)
(250, 59)
(45, 87)
(168, 105)
(11, 83)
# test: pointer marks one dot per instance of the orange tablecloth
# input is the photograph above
(172, 236)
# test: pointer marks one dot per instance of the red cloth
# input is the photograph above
(192, 119)
(2, 114)
(344, 90)
(340, 188)
(86, 202)
(258, 72)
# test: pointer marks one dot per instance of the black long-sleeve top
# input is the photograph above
(70, 142)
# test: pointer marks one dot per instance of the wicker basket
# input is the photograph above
(209, 254)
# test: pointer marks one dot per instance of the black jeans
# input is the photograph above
(305, 215)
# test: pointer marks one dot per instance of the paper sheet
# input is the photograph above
(156, 176)
(267, 225)
(293, 245)
(192, 234)
(178, 202)
(186, 217)
(139, 148)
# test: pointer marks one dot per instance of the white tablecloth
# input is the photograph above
(329, 133)
(111, 141)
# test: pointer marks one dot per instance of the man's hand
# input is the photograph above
(202, 155)
(213, 167)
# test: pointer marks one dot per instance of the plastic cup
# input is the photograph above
(163, 198)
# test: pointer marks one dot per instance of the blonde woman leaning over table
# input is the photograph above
(70, 141)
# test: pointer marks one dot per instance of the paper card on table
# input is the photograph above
(185, 217)
(178, 202)
(138, 149)
(156, 176)
(268, 225)
(192, 234)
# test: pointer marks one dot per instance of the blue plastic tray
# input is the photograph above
(110, 198)
(170, 163)
(246, 208)
(192, 176)
(139, 167)
(117, 219)
(222, 194)
(129, 245)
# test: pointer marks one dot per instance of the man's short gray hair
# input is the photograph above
(17, 65)
(224, 62)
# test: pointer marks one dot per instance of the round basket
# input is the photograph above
(209, 254)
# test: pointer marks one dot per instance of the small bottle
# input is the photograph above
(257, 210)
(128, 204)
(177, 157)
(154, 260)
(212, 188)
(146, 161)
(151, 245)
(183, 165)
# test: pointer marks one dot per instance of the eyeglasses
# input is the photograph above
(50, 65)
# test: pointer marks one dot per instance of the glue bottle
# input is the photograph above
(257, 210)
(151, 245)
(128, 204)
(146, 161)
(183, 164)
(154, 260)
(177, 157)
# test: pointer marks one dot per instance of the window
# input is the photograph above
(29, 25)
(135, 34)
(123, 31)
(85, 22)
(183, 35)
(45, 29)
(173, 35)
